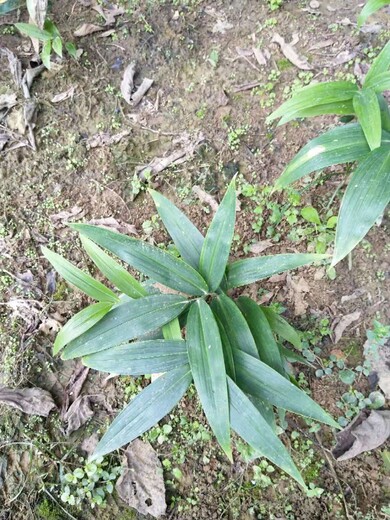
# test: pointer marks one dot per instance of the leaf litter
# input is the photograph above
(32, 401)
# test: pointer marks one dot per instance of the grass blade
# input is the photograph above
(381, 64)
(145, 410)
(282, 328)
(80, 323)
(249, 424)
(258, 379)
(262, 333)
(216, 245)
(113, 271)
(312, 96)
(368, 112)
(126, 322)
(244, 272)
(208, 370)
(187, 238)
(365, 199)
(159, 265)
(370, 8)
(79, 279)
(140, 357)
(337, 146)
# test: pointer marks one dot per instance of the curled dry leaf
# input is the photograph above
(379, 359)
(345, 322)
(205, 197)
(367, 432)
(114, 225)
(79, 413)
(87, 28)
(63, 95)
(136, 98)
(127, 83)
(33, 401)
(290, 53)
(106, 139)
(37, 10)
(141, 484)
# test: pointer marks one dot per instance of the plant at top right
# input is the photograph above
(366, 141)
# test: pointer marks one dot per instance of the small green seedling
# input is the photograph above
(232, 350)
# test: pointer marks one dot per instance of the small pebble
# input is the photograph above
(314, 4)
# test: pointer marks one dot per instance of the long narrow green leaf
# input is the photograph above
(145, 410)
(208, 370)
(385, 115)
(282, 328)
(79, 279)
(126, 322)
(308, 98)
(337, 146)
(33, 31)
(258, 379)
(365, 199)
(262, 333)
(113, 271)
(266, 410)
(159, 265)
(370, 8)
(234, 324)
(216, 245)
(293, 357)
(187, 238)
(140, 357)
(380, 83)
(381, 64)
(251, 270)
(227, 350)
(341, 108)
(80, 323)
(248, 423)
(172, 330)
(368, 112)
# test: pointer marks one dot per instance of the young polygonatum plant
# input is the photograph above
(232, 351)
(366, 142)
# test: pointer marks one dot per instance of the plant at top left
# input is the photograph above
(231, 350)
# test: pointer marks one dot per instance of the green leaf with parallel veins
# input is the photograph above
(218, 240)
(310, 214)
(234, 324)
(337, 146)
(310, 97)
(125, 322)
(370, 8)
(380, 65)
(79, 279)
(145, 410)
(159, 265)
(57, 46)
(187, 238)
(33, 31)
(385, 117)
(282, 328)
(80, 323)
(258, 379)
(113, 271)
(45, 54)
(365, 199)
(248, 423)
(140, 357)
(227, 348)
(244, 272)
(266, 410)
(262, 333)
(208, 370)
(368, 112)
(293, 357)
(380, 83)
(341, 108)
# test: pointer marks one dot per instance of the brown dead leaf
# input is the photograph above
(246, 86)
(379, 359)
(37, 10)
(259, 247)
(127, 83)
(33, 401)
(260, 56)
(141, 484)
(78, 414)
(109, 15)
(67, 215)
(114, 225)
(345, 322)
(290, 53)
(7, 101)
(136, 98)
(87, 28)
(343, 57)
(89, 444)
(205, 197)
(106, 139)
(368, 431)
(298, 289)
(74, 386)
(64, 95)
(15, 66)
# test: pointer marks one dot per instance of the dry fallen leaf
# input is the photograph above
(87, 28)
(345, 322)
(66, 215)
(33, 401)
(290, 53)
(127, 83)
(74, 386)
(78, 414)
(136, 98)
(298, 289)
(106, 139)
(367, 432)
(259, 247)
(141, 484)
(114, 225)
(89, 444)
(63, 95)
(259, 55)
(205, 197)
(7, 101)
(379, 359)
(37, 11)
(109, 15)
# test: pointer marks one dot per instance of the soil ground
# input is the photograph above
(199, 54)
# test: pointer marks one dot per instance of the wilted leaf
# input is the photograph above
(64, 95)
(290, 53)
(345, 322)
(367, 432)
(127, 83)
(136, 98)
(379, 360)
(37, 11)
(106, 139)
(78, 414)
(87, 28)
(33, 401)
(141, 484)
